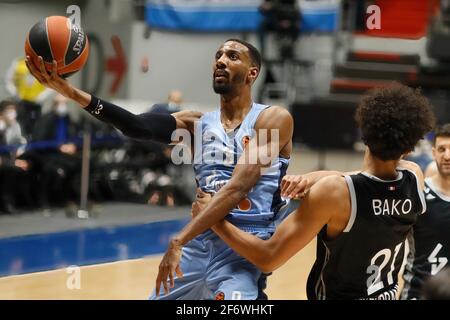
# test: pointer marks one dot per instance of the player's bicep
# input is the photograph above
(302, 226)
(275, 126)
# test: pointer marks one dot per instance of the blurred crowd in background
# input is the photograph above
(41, 142)
(41, 134)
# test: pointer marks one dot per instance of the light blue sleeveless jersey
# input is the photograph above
(214, 163)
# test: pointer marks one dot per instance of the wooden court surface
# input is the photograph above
(134, 279)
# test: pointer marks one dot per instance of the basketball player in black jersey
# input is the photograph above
(361, 220)
(430, 239)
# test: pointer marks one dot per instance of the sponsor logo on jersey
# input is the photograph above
(245, 141)
(244, 204)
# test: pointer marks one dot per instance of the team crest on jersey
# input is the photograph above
(220, 296)
(244, 204)
(245, 141)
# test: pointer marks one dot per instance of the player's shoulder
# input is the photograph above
(412, 167)
(274, 116)
(333, 187)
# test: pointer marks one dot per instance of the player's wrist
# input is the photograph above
(175, 243)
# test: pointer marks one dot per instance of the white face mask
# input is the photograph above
(11, 115)
(2, 125)
(61, 109)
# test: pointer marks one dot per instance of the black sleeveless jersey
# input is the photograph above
(364, 261)
(429, 242)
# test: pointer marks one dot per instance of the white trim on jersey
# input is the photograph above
(353, 204)
(368, 175)
(419, 191)
(320, 288)
(431, 185)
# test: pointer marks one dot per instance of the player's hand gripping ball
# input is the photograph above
(57, 38)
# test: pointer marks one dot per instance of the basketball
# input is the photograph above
(57, 38)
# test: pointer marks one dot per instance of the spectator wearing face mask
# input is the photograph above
(57, 159)
(163, 195)
(30, 94)
(12, 132)
(14, 175)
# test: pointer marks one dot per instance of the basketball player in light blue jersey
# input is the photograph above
(242, 156)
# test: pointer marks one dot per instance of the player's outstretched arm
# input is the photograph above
(158, 127)
(245, 175)
(296, 186)
(296, 231)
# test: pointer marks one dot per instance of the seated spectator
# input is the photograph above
(12, 129)
(29, 93)
(55, 156)
(14, 175)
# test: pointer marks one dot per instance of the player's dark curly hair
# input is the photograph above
(393, 119)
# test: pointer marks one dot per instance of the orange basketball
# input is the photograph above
(57, 38)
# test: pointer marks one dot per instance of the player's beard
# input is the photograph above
(444, 171)
(222, 88)
(228, 87)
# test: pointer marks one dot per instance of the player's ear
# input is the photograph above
(253, 74)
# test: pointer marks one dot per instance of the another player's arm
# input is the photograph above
(296, 186)
(244, 177)
(153, 126)
(296, 231)
(414, 167)
(246, 174)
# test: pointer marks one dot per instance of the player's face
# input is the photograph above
(441, 152)
(231, 67)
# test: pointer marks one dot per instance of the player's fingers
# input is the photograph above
(42, 70)
(299, 188)
(286, 183)
(171, 278)
(164, 280)
(289, 189)
(54, 70)
(179, 272)
(283, 183)
(158, 283)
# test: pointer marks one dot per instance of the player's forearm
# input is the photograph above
(217, 209)
(255, 250)
(243, 179)
(79, 96)
(147, 126)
